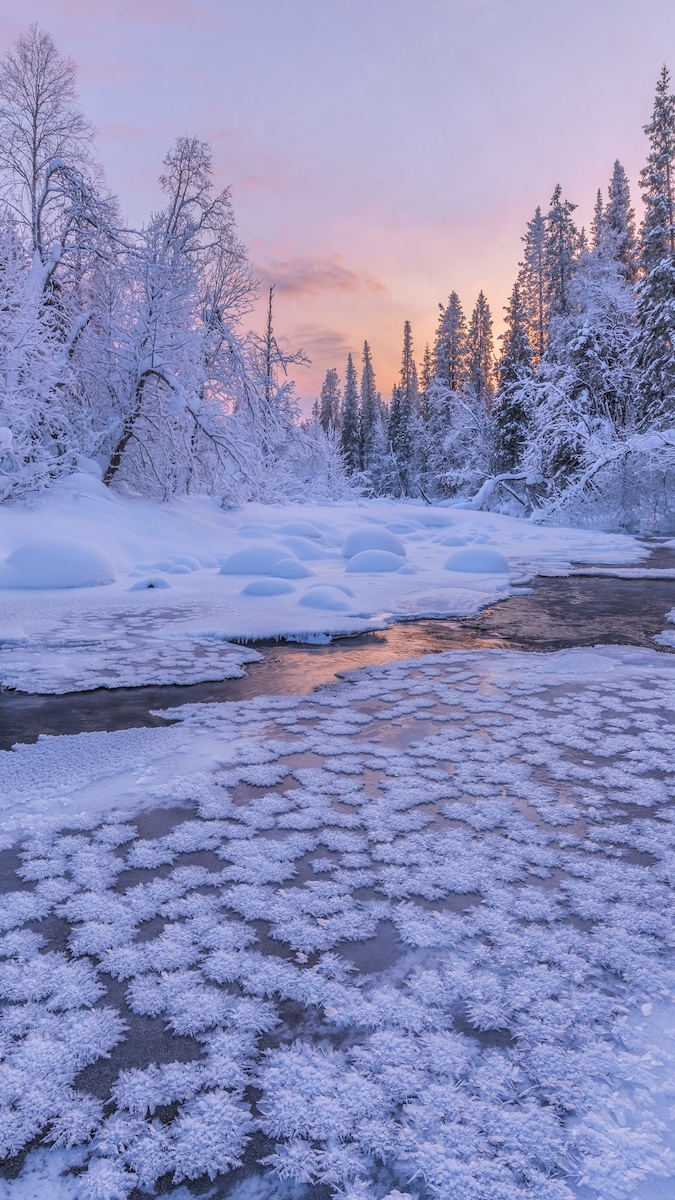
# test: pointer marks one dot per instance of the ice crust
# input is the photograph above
(425, 914)
(182, 595)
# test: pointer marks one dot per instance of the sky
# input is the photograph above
(380, 153)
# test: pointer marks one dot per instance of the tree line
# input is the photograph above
(575, 416)
(122, 351)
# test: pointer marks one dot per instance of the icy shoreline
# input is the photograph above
(186, 627)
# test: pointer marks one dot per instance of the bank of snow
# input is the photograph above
(100, 590)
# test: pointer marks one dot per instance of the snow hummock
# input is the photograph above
(374, 562)
(478, 562)
(411, 934)
(372, 538)
(57, 563)
(183, 629)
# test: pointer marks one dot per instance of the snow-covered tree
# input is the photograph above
(350, 440)
(480, 353)
(562, 250)
(533, 285)
(328, 405)
(510, 408)
(403, 426)
(372, 435)
(619, 220)
(449, 354)
(655, 342)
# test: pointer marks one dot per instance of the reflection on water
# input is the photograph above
(558, 613)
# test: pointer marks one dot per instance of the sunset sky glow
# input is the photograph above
(380, 154)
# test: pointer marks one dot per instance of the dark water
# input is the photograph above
(557, 613)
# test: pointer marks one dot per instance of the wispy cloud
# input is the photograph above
(305, 276)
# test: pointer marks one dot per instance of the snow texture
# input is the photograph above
(410, 935)
(192, 579)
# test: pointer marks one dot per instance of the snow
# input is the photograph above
(667, 638)
(329, 599)
(57, 563)
(477, 562)
(374, 562)
(372, 538)
(423, 915)
(268, 587)
(201, 559)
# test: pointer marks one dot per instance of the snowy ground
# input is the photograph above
(667, 638)
(410, 935)
(178, 602)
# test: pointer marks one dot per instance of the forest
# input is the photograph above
(124, 352)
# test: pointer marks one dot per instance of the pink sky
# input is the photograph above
(380, 153)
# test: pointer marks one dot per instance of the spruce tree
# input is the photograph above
(510, 409)
(370, 421)
(403, 428)
(563, 244)
(655, 342)
(480, 353)
(328, 404)
(449, 355)
(349, 433)
(620, 222)
(533, 284)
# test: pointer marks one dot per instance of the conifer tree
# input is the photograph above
(510, 409)
(426, 376)
(480, 353)
(449, 355)
(329, 402)
(563, 244)
(370, 421)
(403, 429)
(532, 281)
(655, 342)
(349, 434)
(620, 222)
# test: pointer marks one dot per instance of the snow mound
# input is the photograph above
(403, 527)
(267, 587)
(305, 550)
(299, 529)
(258, 560)
(155, 581)
(479, 562)
(373, 538)
(184, 561)
(330, 599)
(289, 568)
(53, 563)
(452, 540)
(379, 561)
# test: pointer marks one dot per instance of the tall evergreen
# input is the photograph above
(403, 419)
(655, 341)
(426, 376)
(514, 374)
(620, 222)
(328, 405)
(369, 417)
(533, 284)
(480, 353)
(350, 442)
(449, 354)
(563, 243)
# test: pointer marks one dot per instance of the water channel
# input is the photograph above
(553, 614)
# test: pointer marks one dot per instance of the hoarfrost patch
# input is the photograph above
(431, 959)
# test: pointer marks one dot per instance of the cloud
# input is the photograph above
(306, 276)
(320, 342)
